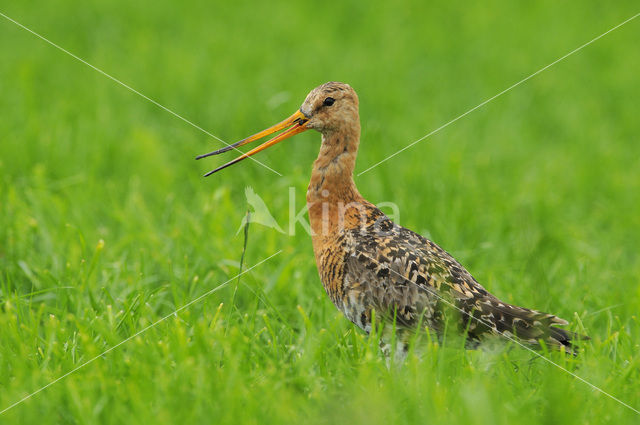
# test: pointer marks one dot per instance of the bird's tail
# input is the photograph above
(526, 326)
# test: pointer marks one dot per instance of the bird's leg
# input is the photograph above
(402, 349)
(387, 341)
(386, 350)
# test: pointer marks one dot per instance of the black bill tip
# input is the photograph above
(219, 151)
(228, 164)
(223, 150)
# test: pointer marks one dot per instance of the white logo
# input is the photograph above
(260, 213)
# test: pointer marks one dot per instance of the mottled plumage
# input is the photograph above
(407, 278)
(368, 263)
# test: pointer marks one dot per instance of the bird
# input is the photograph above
(375, 270)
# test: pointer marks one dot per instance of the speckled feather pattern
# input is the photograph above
(407, 278)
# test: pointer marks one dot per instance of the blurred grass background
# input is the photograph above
(106, 224)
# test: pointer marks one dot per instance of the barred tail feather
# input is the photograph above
(564, 339)
(527, 326)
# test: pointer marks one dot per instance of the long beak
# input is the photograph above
(297, 120)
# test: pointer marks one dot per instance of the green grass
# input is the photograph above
(107, 226)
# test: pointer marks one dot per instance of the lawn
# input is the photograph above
(107, 226)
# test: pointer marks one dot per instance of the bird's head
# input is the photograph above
(330, 107)
(327, 108)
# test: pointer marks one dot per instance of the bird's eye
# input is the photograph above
(328, 101)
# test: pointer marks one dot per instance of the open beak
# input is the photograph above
(297, 123)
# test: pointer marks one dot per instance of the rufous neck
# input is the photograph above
(332, 175)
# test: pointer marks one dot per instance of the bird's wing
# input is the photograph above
(412, 278)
